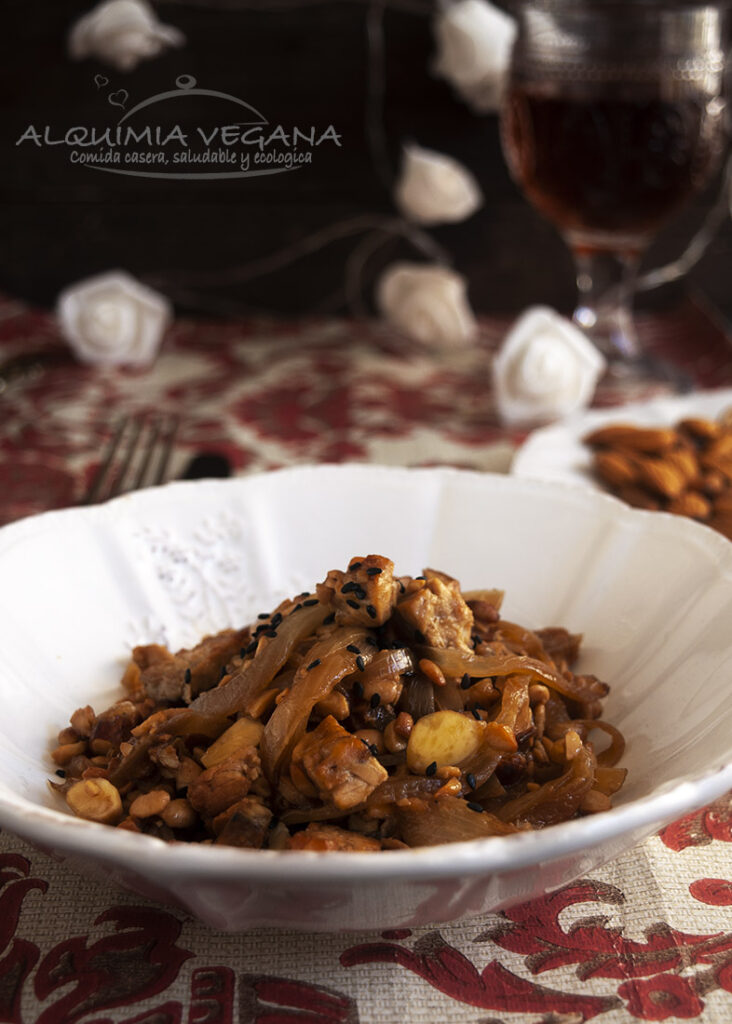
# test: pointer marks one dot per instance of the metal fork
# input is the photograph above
(137, 456)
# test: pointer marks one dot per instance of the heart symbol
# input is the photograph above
(100, 81)
(119, 98)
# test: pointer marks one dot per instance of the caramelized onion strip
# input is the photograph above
(454, 662)
(612, 754)
(256, 675)
(324, 665)
(557, 800)
(448, 819)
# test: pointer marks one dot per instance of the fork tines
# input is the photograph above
(137, 456)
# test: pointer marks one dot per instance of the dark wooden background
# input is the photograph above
(299, 61)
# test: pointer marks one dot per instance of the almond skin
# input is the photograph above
(638, 497)
(691, 504)
(722, 464)
(713, 482)
(615, 468)
(722, 521)
(662, 477)
(723, 503)
(704, 430)
(685, 461)
(651, 440)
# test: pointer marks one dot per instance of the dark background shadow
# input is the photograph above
(302, 63)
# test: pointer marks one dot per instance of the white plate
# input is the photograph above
(652, 595)
(557, 452)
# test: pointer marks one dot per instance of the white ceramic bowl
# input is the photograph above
(557, 452)
(652, 595)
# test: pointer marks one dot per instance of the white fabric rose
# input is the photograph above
(475, 40)
(121, 33)
(112, 319)
(435, 189)
(545, 369)
(426, 302)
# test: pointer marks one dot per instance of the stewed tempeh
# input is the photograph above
(378, 713)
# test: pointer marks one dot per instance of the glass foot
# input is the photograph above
(648, 372)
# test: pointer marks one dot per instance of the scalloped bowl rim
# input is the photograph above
(62, 832)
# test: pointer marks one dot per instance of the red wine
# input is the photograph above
(609, 167)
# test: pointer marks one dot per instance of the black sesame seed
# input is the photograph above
(375, 700)
(372, 640)
(350, 587)
(353, 649)
(474, 807)
(371, 610)
(354, 566)
(297, 608)
(305, 593)
(360, 663)
(374, 571)
(431, 769)
(61, 773)
(360, 593)
(475, 713)
(358, 688)
(263, 615)
(313, 664)
(187, 676)
(476, 639)
(276, 619)
(470, 779)
(271, 633)
(310, 602)
(243, 652)
(329, 619)
(352, 603)
(402, 588)
(374, 749)
(420, 577)
(466, 682)
(251, 648)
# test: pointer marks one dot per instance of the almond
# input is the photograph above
(615, 469)
(685, 461)
(642, 439)
(723, 502)
(704, 430)
(662, 477)
(713, 482)
(722, 464)
(638, 497)
(722, 447)
(722, 522)
(691, 504)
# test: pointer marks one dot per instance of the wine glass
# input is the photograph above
(613, 116)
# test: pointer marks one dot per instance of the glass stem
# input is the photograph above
(605, 286)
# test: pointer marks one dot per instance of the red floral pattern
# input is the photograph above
(134, 960)
(267, 395)
(701, 827)
(661, 997)
(650, 983)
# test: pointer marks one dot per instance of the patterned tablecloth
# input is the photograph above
(648, 937)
